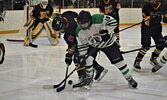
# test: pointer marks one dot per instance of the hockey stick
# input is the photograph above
(130, 26)
(124, 52)
(33, 45)
(62, 88)
(13, 40)
(56, 86)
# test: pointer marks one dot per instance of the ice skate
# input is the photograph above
(100, 73)
(2, 53)
(153, 61)
(156, 68)
(136, 65)
(84, 83)
(132, 82)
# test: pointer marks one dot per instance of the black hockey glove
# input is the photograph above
(1, 19)
(68, 59)
(164, 41)
(104, 35)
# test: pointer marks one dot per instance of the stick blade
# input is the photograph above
(48, 86)
(60, 88)
(33, 45)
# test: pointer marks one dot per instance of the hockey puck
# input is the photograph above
(70, 82)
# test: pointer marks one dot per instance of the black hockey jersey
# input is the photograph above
(109, 6)
(39, 12)
(69, 36)
(154, 11)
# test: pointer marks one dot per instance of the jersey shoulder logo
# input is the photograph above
(70, 38)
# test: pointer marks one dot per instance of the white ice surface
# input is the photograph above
(26, 69)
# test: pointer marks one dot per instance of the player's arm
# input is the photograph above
(82, 44)
(50, 12)
(70, 40)
(146, 15)
(109, 23)
(107, 28)
(118, 6)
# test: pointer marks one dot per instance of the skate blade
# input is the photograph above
(103, 74)
(153, 65)
(130, 86)
(82, 88)
(137, 70)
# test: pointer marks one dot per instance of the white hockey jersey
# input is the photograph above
(92, 36)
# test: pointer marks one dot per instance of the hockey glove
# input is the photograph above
(147, 20)
(164, 41)
(104, 35)
(68, 59)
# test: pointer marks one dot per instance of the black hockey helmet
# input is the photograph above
(84, 17)
(59, 23)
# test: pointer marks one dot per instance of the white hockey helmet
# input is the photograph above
(44, 3)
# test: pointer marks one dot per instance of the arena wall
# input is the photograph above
(14, 20)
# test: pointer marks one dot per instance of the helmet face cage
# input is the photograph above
(44, 3)
(59, 23)
(84, 17)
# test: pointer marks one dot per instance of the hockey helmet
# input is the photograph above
(84, 17)
(44, 3)
(59, 23)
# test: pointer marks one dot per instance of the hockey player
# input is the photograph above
(38, 20)
(163, 60)
(67, 23)
(151, 27)
(97, 31)
(2, 53)
(111, 7)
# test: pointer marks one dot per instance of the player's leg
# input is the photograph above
(33, 33)
(146, 42)
(52, 37)
(162, 61)
(157, 37)
(116, 58)
(2, 53)
(28, 26)
(100, 71)
(86, 79)
(29, 23)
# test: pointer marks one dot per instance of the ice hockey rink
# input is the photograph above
(26, 69)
